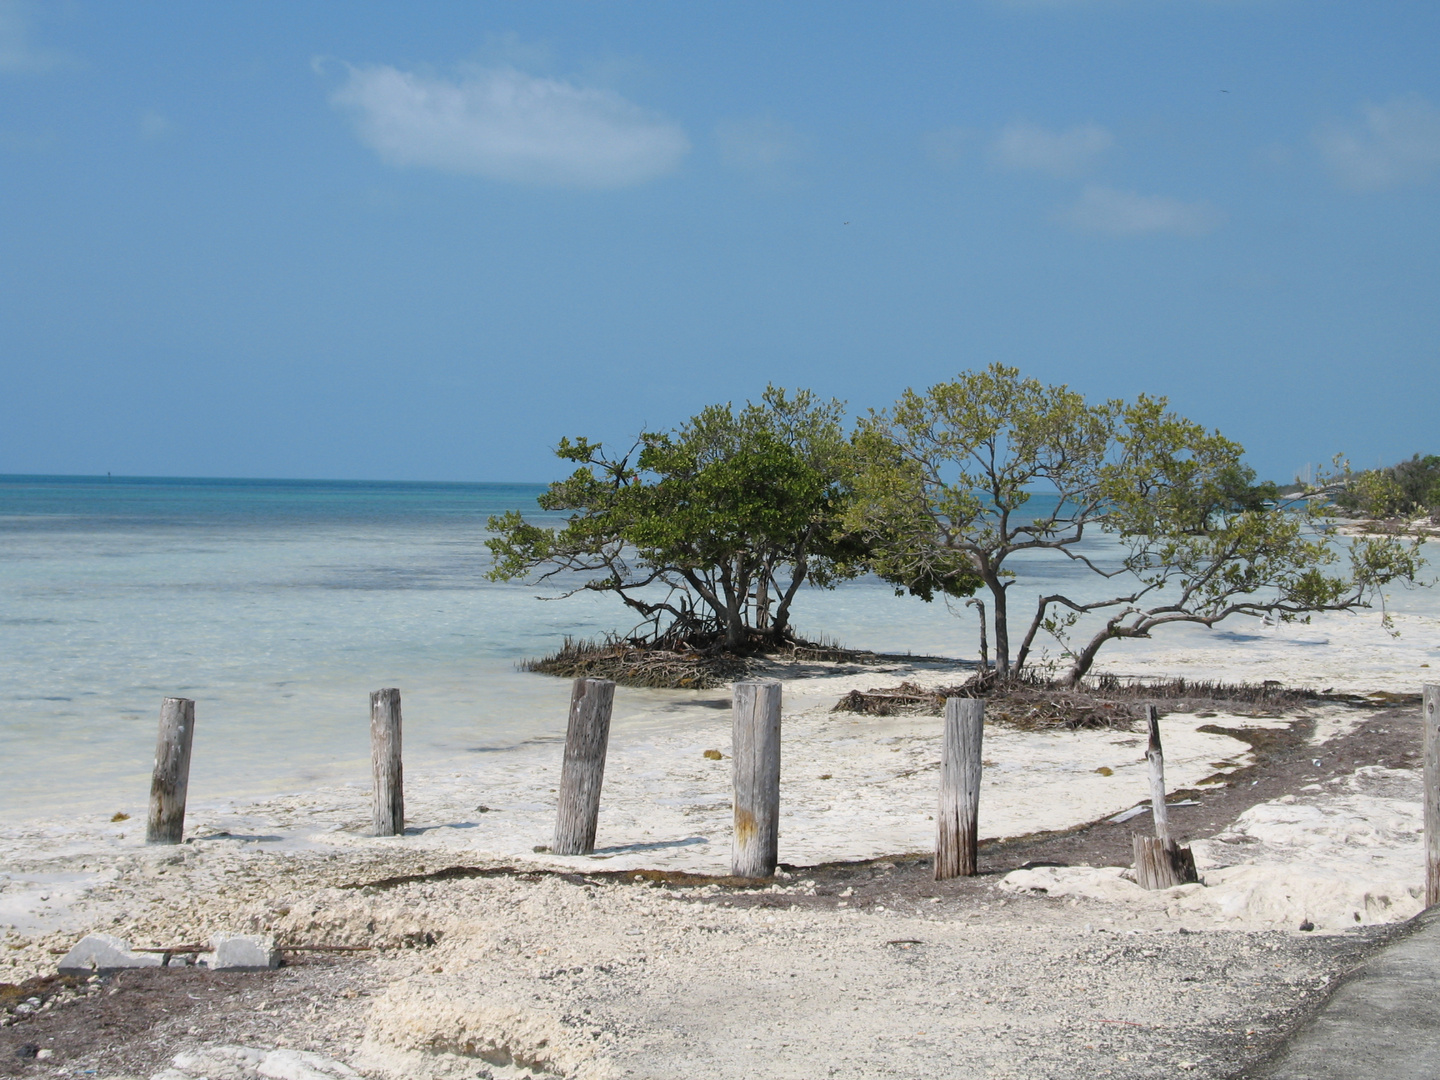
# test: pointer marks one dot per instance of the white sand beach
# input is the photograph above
(589, 977)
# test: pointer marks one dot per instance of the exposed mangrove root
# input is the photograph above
(695, 663)
(631, 665)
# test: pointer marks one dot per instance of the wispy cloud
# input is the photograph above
(1393, 144)
(18, 54)
(504, 124)
(1127, 213)
(1059, 153)
(767, 150)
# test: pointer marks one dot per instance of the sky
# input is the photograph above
(424, 241)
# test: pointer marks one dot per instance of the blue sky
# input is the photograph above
(423, 241)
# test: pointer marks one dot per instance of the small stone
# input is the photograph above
(44, 1054)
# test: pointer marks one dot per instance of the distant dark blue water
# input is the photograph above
(68, 502)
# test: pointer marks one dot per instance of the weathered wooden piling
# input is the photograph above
(583, 770)
(1432, 793)
(957, 821)
(755, 755)
(1160, 863)
(388, 811)
(171, 779)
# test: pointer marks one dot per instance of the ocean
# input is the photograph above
(279, 605)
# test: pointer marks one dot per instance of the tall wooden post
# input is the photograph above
(957, 822)
(583, 769)
(1432, 794)
(1155, 758)
(388, 811)
(755, 754)
(1160, 863)
(171, 779)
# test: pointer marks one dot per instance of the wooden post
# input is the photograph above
(388, 811)
(583, 769)
(957, 824)
(171, 779)
(1432, 794)
(755, 755)
(1160, 863)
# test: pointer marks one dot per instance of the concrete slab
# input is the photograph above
(242, 952)
(1383, 1021)
(99, 953)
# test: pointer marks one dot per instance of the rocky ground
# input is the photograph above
(471, 968)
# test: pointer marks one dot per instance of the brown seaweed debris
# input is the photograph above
(632, 665)
(1029, 708)
(1032, 702)
(695, 660)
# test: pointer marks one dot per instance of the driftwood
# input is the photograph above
(1160, 863)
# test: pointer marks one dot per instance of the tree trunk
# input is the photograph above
(780, 628)
(979, 605)
(1002, 627)
(734, 614)
(1086, 657)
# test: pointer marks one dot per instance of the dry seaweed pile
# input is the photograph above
(632, 665)
(1103, 701)
(1025, 706)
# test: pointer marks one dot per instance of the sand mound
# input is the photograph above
(429, 1027)
(1336, 856)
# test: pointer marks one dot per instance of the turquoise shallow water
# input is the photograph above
(278, 606)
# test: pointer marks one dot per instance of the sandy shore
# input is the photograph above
(579, 967)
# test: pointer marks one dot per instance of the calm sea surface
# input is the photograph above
(278, 606)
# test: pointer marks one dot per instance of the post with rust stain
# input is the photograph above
(171, 779)
(388, 810)
(755, 756)
(1432, 794)
(957, 823)
(583, 769)
(1160, 863)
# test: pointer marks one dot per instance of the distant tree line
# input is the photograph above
(708, 531)
(1408, 488)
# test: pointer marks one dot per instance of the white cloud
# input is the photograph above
(1126, 213)
(18, 56)
(1395, 143)
(767, 150)
(153, 126)
(503, 124)
(1060, 153)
